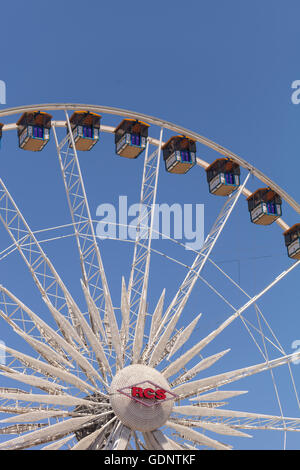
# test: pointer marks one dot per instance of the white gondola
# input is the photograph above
(34, 130)
(179, 154)
(264, 206)
(86, 129)
(223, 177)
(131, 138)
(292, 241)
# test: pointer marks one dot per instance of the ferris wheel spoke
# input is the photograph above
(259, 313)
(157, 440)
(58, 444)
(48, 434)
(199, 386)
(55, 359)
(92, 339)
(96, 321)
(162, 441)
(65, 400)
(23, 315)
(178, 303)
(51, 356)
(157, 316)
(21, 428)
(202, 365)
(125, 311)
(219, 395)
(218, 427)
(196, 437)
(172, 445)
(184, 336)
(267, 358)
(179, 339)
(272, 423)
(194, 410)
(68, 331)
(150, 441)
(21, 410)
(186, 357)
(59, 344)
(45, 276)
(265, 340)
(245, 321)
(275, 343)
(37, 382)
(91, 262)
(122, 441)
(139, 276)
(148, 438)
(39, 416)
(51, 370)
(114, 435)
(94, 441)
(147, 200)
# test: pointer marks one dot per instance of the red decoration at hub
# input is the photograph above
(149, 393)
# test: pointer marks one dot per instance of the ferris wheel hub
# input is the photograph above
(141, 397)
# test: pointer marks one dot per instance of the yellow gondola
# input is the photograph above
(179, 154)
(264, 206)
(131, 138)
(223, 176)
(292, 241)
(34, 130)
(85, 129)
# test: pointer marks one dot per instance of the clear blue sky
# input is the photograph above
(222, 69)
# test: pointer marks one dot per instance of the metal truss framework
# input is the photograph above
(45, 276)
(94, 278)
(179, 301)
(139, 276)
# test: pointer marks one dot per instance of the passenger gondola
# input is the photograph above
(131, 138)
(264, 206)
(85, 129)
(223, 176)
(292, 241)
(179, 154)
(34, 130)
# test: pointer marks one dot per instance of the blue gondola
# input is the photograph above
(292, 241)
(264, 206)
(85, 128)
(179, 154)
(131, 138)
(223, 176)
(34, 130)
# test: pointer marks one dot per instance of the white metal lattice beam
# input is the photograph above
(93, 272)
(139, 276)
(181, 297)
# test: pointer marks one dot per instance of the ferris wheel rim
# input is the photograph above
(163, 124)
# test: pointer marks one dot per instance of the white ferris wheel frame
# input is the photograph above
(95, 287)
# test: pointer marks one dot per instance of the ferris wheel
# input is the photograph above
(102, 373)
